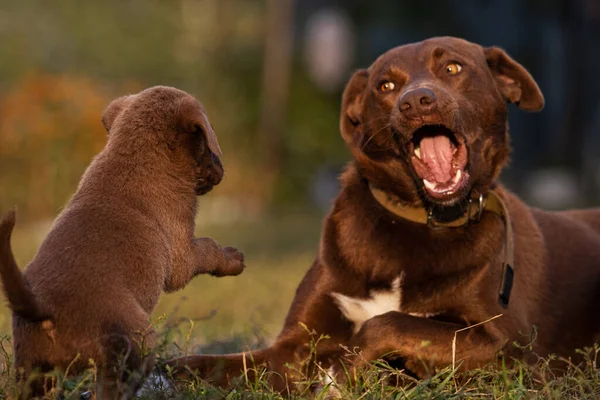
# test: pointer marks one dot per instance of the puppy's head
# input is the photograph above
(172, 121)
(427, 121)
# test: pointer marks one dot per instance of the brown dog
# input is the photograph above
(422, 242)
(126, 235)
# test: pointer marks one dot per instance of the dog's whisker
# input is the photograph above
(387, 126)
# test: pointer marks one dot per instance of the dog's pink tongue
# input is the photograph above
(437, 153)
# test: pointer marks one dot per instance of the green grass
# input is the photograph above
(229, 314)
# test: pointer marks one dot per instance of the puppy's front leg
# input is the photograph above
(216, 260)
(204, 256)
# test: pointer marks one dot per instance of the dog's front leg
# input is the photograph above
(205, 256)
(424, 344)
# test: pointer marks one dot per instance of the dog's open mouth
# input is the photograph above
(439, 158)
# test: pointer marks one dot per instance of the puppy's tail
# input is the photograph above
(20, 298)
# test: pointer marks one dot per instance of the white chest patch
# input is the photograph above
(379, 302)
(358, 310)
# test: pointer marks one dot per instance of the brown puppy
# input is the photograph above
(126, 235)
(422, 241)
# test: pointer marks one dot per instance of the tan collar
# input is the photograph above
(490, 202)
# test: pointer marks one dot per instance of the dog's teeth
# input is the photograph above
(457, 176)
(418, 152)
(444, 188)
(428, 184)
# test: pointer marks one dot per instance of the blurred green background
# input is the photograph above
(270, 74)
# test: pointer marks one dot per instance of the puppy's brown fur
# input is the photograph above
(446, 279)
(126, 236)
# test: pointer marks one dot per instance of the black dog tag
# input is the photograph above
(505, 285)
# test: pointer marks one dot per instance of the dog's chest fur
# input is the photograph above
(379, 301)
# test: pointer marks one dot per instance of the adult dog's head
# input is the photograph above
(172, 121)
(427, 122)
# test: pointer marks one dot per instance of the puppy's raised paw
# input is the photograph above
(234, 253)
(233, 265)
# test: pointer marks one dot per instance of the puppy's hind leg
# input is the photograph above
(32, 384)
(128, 362)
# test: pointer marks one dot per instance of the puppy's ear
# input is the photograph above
(514, 82)
(352, 103)
(192, 118)
(112, 111)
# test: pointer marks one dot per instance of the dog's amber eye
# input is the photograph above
(387, 86)
(453, 68)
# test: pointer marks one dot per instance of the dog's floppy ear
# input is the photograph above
(192, 118)
(514, 82)
(112, 111)
(352, 103)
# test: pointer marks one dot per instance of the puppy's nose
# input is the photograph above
(418, 102)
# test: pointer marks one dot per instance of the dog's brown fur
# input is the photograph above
(451, 275)
(125, 236)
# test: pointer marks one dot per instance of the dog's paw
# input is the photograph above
(234, 263)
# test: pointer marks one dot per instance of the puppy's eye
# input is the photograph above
(387, 86)
(453, 68)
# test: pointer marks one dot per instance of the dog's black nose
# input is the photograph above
(418, 102)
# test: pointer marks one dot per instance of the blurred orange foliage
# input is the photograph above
(49, 131)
